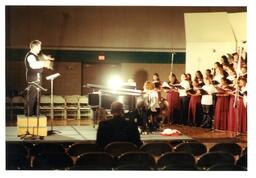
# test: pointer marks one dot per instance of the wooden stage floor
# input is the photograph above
(82, 130)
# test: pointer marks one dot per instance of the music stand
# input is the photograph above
(27, 115)
(52, 77)
(38, 88)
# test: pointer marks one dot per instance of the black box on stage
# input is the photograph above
(93, 99)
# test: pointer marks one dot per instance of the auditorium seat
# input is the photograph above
(18, 105)
(118, 148)
(17, 162)
(72, 108)
(131, 158)
(242, 161)
(174, 143)
(48, 148)
(45, 105)
(226, 167)
(52, 161)
(244, 151)
(59, 107)
(84, 108)
(175, 158)
(180, 167)
(95, 161)
(16, 147)
(231, 148)
(156, 148)
(17, 156)
(134, 167)
(77, 149)
(211, 158)
(194, 148)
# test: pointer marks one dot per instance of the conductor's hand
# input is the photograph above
(48, 64)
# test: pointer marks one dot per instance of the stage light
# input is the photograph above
(115, 82)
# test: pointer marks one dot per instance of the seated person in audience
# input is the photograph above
(117, 129)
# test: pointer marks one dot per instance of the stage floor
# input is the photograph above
(84, 133)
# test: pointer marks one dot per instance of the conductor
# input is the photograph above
(34, 69)
(117, 129)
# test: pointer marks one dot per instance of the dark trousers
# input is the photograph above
(208, 115)
(31, 108)
(183, 110)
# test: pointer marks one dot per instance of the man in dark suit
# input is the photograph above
(117, 129)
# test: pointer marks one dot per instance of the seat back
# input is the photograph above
(175, 158)
(231, 148)
(95, 160)
(211, 158)
(118, 148)
(226, 167)
(47, 148)
(50, 161)
(242, 161)
(17, 157)
(180, 167)
(131, 158)
(194, 148)
(81, 148)
(156, 148)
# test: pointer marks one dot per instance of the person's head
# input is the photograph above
(35, 46)
(224, 81)
(173, 78)
(244, 70)
(117, 108)
(155, 77)
(188, 75)
(148, 85)
(231, 71)
(199, 74)
(235, 57)
(195, 83)
(224, 59)
(207, 80)
(216, 65)
(183, 77)
(242, 81)
(208, 72)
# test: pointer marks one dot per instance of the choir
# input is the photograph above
(208, 101)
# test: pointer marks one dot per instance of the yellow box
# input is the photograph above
(33, 131)
(23, 120)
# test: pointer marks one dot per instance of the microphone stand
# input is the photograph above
(38, 88)
(172, 59)
(236, 103)
(27, 115)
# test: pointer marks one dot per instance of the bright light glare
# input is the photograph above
(115, 83)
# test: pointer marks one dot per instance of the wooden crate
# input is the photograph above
(32, 125)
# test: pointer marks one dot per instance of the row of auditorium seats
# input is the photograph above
(125, 156)
(74, 106)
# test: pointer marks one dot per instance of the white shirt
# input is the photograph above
(33, 63)
(186, 86)
(207, 99)
(244, 89)
(151, 100)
